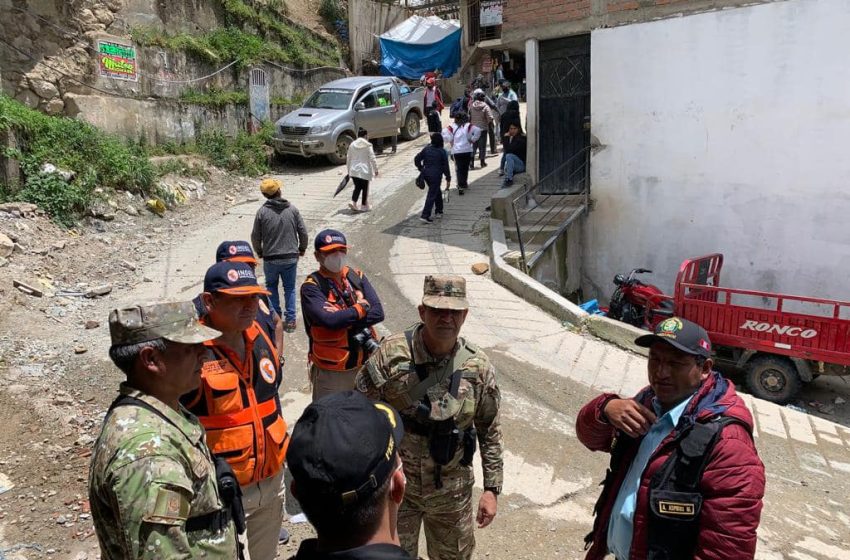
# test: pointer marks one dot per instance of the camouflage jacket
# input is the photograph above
(389, 375)
(147, 478)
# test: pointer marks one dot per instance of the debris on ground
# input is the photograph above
(99, 291)
(821, 407)
(480, 268)
(27, 289)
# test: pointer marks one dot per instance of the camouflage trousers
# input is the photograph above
(445, 512)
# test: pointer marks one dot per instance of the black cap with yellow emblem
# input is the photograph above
(681, 334)
(344, 447)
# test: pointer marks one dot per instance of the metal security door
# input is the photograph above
(564, 110)
(258, 93)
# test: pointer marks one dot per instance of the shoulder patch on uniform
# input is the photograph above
(310, 280)
(169, 507)
(471, 346)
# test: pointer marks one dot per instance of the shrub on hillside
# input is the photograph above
(97, 159)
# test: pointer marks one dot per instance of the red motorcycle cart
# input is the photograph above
(780, 340)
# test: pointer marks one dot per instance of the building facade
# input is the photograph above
(717, 126)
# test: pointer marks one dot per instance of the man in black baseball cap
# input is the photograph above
(237, 401)
(340, 307)
(240, 251)
(683, 458)
(347, 476)
(680, 342)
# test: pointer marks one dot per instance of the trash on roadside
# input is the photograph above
(27, 289)
(821, 407)
(5, 483)
(298, 518)
(156, 206)
(795, 407)
(592, 307)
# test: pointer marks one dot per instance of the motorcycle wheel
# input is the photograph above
(632, 315)
(615, 307)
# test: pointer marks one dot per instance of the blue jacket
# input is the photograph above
(433, 162)
(314, 302)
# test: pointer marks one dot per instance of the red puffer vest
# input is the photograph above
(732, 485)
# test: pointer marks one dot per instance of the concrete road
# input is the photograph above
(545, 370)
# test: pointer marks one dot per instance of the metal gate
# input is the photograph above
(564, 113)
(258, 94)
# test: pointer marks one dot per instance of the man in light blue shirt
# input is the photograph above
(654, 503)
(623, 513)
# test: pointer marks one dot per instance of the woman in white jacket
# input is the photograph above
(362, 166)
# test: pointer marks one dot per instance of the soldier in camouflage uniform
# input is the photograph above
(153, 488)
(448, 379)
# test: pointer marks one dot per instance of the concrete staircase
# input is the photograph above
(540, 218)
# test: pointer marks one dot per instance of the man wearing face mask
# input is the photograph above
(340, 308)
(445, 391)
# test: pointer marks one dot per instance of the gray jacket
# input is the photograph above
(279, 231)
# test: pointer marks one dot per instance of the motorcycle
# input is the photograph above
(639, 304)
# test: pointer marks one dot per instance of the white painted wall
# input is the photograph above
(726, 131)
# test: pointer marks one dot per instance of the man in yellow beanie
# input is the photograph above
(279, 237)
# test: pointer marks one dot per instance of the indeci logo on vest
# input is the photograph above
(267, 370)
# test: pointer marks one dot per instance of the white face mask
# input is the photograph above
(334, 262)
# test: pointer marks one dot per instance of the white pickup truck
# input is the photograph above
(330, 118)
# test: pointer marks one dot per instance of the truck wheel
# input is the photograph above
(410, 130)
(772, 378)
(338, 156)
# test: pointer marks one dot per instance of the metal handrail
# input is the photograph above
(530, 191)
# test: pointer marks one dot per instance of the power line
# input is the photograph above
(71, 34)
(64, 75)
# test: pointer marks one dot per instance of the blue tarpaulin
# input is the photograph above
(419, 45)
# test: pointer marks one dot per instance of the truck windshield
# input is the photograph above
(329, 99)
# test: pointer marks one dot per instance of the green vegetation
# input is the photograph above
(99, 160)
(215, 98)
(287, 101)
(181, 168)
(103, 161)
(244, 153)
(272, 38)
(332, 10)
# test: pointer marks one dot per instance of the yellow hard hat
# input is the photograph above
(270, 186)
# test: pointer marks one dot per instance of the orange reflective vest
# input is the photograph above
(336, 349)
(239, 406)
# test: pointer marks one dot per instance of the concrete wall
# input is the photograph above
(157, 121)
(550, 19)
(725, 131)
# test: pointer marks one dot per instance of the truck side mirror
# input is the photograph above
(359, 106)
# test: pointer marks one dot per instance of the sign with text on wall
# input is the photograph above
(491, 13)
(117, 61)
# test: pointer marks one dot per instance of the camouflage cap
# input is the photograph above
(445, 292)
(177, 322)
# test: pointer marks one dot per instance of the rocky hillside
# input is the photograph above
(58, 47)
